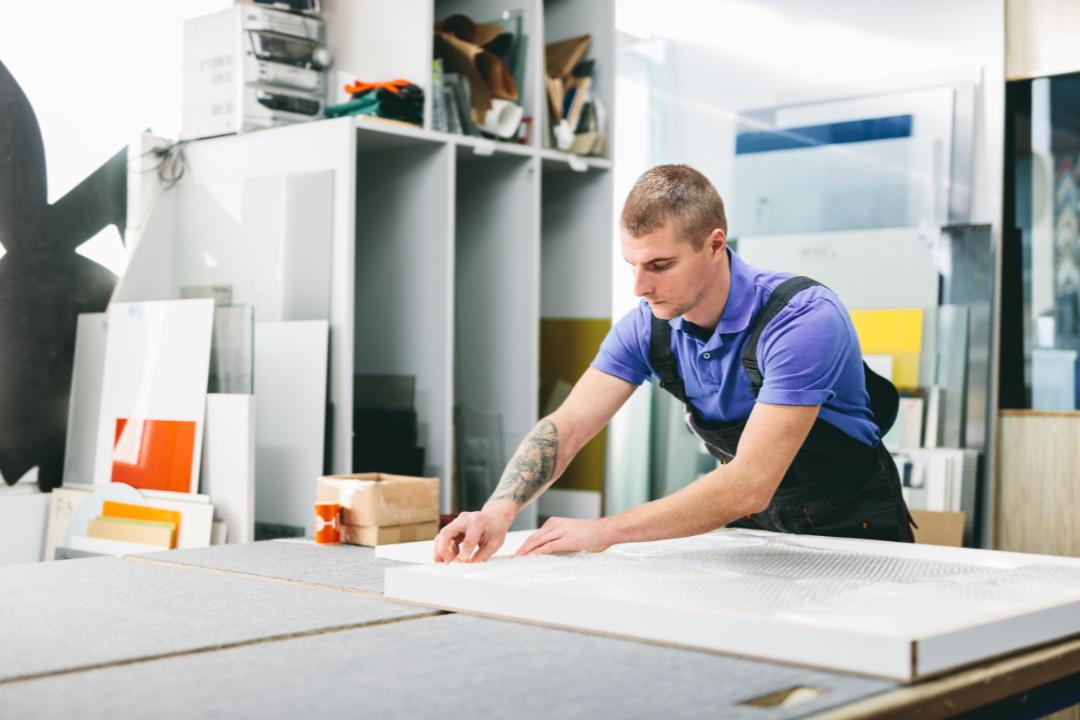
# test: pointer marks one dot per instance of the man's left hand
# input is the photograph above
(567, 535)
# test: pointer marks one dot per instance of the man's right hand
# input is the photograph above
(471, 537)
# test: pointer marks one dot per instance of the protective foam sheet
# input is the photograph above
(349, 567)
(885, 609)
(438, 667)
(81, 613)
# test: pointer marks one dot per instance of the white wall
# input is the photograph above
(96, 74)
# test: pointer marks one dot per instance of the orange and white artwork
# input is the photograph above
(153, 398)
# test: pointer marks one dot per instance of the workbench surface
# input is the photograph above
(290, 629)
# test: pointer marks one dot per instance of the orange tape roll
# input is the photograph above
(327, 523)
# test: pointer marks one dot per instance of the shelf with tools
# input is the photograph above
(530, 243)
(447, 256)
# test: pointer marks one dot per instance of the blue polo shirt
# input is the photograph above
(809, 355)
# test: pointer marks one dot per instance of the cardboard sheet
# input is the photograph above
(890, 610)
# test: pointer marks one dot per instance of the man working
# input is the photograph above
(769, 371)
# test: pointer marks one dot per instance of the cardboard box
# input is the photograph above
(378, 499)
(373, 535)
(939, 528)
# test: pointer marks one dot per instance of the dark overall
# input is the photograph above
(836, 485)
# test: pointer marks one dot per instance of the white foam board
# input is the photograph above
(290, 419)
(228, 467)
(890, 610)
(104, 546)
(23, 522)
(422, 552)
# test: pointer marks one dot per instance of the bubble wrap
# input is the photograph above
(798, 580)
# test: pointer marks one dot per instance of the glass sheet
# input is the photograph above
(787, 578)
(267, 239)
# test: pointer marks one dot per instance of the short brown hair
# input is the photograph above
(674, 192)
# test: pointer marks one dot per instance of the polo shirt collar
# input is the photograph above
(739, 311)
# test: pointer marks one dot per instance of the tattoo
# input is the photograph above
(532, 466)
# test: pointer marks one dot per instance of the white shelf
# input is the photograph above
(401, 135)
(446, 250)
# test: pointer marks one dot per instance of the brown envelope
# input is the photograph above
(564, 55)
(465, 29)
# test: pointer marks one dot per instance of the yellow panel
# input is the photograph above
(905, 370)
(888, 332)
(567, 346)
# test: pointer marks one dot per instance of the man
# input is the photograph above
(771, 376)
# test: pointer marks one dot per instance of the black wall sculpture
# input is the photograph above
(44, 285)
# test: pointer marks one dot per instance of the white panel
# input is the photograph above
(879, 183)
(228, 468)
(157, 360)
(149, 270)
(290, 419)
(582, 504)
(196, 519)
(932, 117)
(843, 262)
(309, 229)
(142, 185)
(104, 546)
(23, 523)
(577, 224)
(422, 552)
(1053, 379)
(269, 238)
(496, 304)
(404, 302)
(839, 260)
(84, 412)
(893, 610)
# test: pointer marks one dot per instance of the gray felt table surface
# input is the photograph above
(434, 667)
(77, 613)
(350, 567)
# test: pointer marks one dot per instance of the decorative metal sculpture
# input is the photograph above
(44, 285)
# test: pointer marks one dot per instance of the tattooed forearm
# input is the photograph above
(532, 466)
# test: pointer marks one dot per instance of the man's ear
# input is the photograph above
(718, 242)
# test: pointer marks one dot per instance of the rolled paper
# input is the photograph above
(503, 119)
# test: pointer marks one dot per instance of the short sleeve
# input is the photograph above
(803, 353)
(623, 352)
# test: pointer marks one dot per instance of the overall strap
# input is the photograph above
(663, 360)
(777, 301)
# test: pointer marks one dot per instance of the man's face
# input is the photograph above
(668, 272)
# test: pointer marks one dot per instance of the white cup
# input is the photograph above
(503, 118)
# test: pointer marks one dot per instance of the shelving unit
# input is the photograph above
(446, 250)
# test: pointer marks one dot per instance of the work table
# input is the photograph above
(286, 628)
